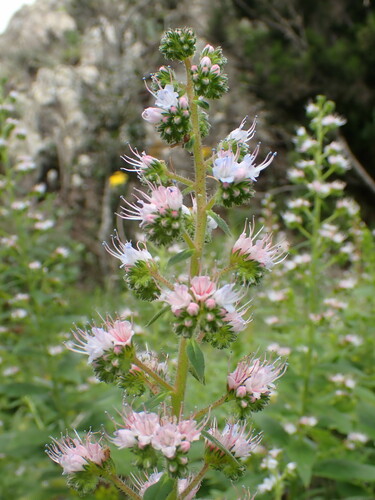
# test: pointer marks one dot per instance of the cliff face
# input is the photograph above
(77, 67)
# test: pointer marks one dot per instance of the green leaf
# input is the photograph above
(155, 401)
(159, 490)
(221, 447)
(303, 453)
(196, 359)
(157, 315)
(15, 390)
(179, 257)
(202, 104)
(220, 222)
(345, 470)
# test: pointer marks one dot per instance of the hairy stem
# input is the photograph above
(210, 407)
(160, 381)
(122, 486)
(200, 232)
(198, 478)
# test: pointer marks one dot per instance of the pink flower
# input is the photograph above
(141, 164)
(162, 198)
(167, 439)
(235, 438)
(100, 340)
(74, 454)
(256, 376)
(139, 429)
(179, 298)
(202, 287)
(261, 250)
(236, 321)
(143, 485)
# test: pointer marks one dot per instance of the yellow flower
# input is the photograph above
(118, 178)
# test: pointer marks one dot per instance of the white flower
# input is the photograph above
(289, 428)
(267, 484)
(333, 120)
(166, 98)
(308, 421)
(226, 297)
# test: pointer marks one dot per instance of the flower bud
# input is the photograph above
(215, 69)
(178, 43)
(210, 303)
(193, 308)
(205, 62)
(152, 115)
(184, 104)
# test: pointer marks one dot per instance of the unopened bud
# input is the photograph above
(152, 115)
(210, 303)
(184, 447)
(193, 309)
(215, 69)
(184, 104)
(205, 62)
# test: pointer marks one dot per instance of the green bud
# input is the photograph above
(178, 43)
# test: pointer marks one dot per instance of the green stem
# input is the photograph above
(188, 240)
(200, 232)
(160, 381)
(158, 277)
(210, 407)
(179, 178)
(122, 486)
(198, 478)
(181, 376)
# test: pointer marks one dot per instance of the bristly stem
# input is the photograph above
(160, 381)
(212, 406)
(179, 178)
(200, 232)
(198, 478)
(123, 487)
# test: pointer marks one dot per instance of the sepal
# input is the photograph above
(141, 282)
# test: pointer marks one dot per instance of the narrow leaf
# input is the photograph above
(157, 315)
(220, 222)
(155, 401)
(221, 447)
(179, 257)
(159, 490)
(196, 359)
(203, 104)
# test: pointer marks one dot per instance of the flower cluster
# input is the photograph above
(138, 265)
(147, 433)
(171, 114)
(161, 213)
(148, 168)
(109, 349)
(155, 477)
(252, 257)
(250, 384)
(206, 308)
(237, 173)
(208, 77)
(82, 460)
(237, 440)
(178, 43)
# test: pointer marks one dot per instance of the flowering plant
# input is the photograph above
(204, 308)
